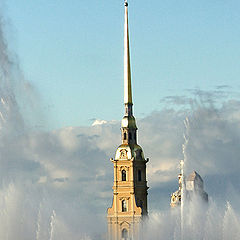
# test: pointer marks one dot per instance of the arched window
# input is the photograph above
(124, 234)
(124, 136)
(124, 206)
(139, 175)
(124, 175)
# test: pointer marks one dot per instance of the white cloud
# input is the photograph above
(99, 122)
(58, 183)
(71, 166)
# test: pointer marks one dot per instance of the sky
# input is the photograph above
(61, 68)
(72, 52)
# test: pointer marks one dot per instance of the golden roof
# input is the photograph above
(129, 151)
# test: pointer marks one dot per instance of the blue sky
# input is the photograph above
(72, 52)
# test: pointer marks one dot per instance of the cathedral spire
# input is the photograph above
(127, 67)
(129, 206)
(129, 128)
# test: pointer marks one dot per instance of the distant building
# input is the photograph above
(176, 196)
(193, 186)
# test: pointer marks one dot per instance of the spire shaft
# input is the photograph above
(129, 128)
(127, 68)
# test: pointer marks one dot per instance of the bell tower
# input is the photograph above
(129, 205)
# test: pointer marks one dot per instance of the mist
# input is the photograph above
(56, 184)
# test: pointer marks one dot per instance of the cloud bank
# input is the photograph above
(55, 184)
(66, 174)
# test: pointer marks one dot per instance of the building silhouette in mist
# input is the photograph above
(193, 188)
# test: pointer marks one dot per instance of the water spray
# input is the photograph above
(182, 197)
(182, 178)
(38, 223)
(53, 216)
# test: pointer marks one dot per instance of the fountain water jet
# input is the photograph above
(231, 224)
(52, 224)
(38, 223)
(182, 163)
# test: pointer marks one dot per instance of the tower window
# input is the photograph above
(130, 136)
(124, 206)
(135, 136)
(124, 234)
(124, 175)
(124, 136)
(139, 175)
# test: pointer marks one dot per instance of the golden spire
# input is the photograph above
(127, 68)
(128, 121)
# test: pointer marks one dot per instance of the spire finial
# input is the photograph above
(127, 68)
